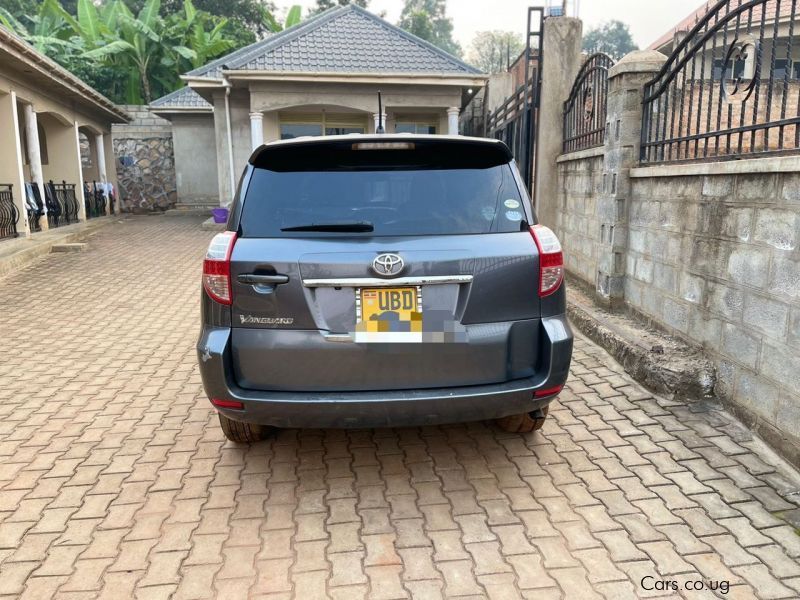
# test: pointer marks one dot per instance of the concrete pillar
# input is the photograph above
(626, 82)
(79, 173)
(223, 156)
(101, 157)
(111, 171)
(256, 129)
(35, 157)
(11, 164)
(561, 63)
(101, 163)
(379, 118)
(452, 120)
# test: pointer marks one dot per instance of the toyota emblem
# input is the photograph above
(388, 265)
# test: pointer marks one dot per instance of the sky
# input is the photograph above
(648, 19)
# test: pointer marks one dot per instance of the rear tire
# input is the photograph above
(241, 432)
(524, 423)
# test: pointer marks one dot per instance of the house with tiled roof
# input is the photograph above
(320, 77)
(57, 164)
(747, 23)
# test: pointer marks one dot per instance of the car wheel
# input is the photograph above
(524, 423)
(241, 432)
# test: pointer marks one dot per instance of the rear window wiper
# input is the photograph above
(341, 226)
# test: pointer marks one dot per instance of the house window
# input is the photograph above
(415, 127)
(720, 65)
(294, 130)
(781, 67)
(298, 125)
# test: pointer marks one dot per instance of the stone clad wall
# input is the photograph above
(716, 259)
(144, 154)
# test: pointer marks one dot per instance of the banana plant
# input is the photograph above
(134, 46)
(195, 43)
(50, 28)
(134, 58)
(293, 17)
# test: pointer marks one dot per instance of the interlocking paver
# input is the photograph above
(115, 480)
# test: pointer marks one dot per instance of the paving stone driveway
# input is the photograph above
(115, 480)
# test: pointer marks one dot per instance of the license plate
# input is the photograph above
(389, 315)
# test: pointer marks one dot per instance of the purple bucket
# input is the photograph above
(220, 215)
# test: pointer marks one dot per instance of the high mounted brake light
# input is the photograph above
(383, 146)
(551, 260)
(217, 267)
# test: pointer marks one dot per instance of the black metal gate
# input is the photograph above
(730, 88)
(515, 121)
(9, 216)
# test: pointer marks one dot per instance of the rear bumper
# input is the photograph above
(394, 408)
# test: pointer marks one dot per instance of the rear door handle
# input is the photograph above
(253, 279)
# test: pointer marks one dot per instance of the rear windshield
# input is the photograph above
(385, 201)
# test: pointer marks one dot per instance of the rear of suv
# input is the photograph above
(389, 280)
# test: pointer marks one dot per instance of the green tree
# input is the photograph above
(491, 51)
(614, 38)
(49, 29)
(132, 59)
(428, 19)
(247, 19)
(20, 8)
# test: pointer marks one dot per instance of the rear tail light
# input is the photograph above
(547, 392)
(227, 403)
(217, 267)
(551, 259)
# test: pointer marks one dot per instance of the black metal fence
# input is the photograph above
(94, 200)
(9, 216)
(511, 122)
(730, 88)
(62, 204)
(514, 121)
(585, 109)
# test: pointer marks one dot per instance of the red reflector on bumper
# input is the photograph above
(227, 403)
(547, 392)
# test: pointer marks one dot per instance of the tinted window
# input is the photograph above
(396, 201)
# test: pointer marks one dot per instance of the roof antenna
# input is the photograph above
(380, 128)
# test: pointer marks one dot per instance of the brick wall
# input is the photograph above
(580, 178)
(708, 251)
(716, 259)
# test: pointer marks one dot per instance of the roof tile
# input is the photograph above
(185, 97)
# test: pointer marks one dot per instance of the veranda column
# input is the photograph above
(101, 162)
(452, 120)
(11, 163)
(79, 175)
(35, 157)
(256, 129)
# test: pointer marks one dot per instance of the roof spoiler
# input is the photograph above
(395, 151)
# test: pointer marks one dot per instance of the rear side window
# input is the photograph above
(395, 200)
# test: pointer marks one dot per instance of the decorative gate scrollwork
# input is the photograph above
(730, 87)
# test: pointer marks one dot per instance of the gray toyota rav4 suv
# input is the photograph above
(387, 280)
